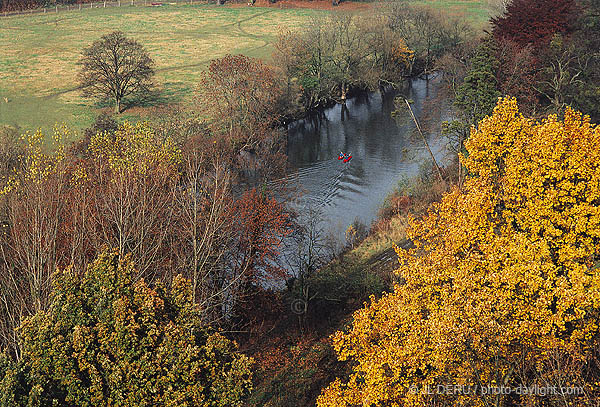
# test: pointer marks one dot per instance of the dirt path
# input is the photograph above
(316, 4)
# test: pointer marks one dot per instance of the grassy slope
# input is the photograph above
(39, 53)
(476, 11)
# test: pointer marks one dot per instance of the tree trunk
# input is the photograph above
(117, 105)
(437, 167)
(460, 169)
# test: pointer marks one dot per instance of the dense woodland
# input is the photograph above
(138, 259)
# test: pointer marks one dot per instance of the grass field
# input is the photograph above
(476, 11)
(39, 52)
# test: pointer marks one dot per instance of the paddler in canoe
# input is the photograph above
(344, 157)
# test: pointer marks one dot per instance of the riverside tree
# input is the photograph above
(115, 67)
(165, 199)
(241, 97)
(475, 98)
(336, 54)
(548, 55)
(502, 288)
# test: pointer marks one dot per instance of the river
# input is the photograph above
(384, 152)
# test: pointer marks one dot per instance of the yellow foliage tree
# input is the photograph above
(501, 288)
(32, 197)
(134, 148)
(129, 183)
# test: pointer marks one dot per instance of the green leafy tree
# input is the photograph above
(109, 341)
(475, 97)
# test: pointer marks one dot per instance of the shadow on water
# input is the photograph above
(384, 152)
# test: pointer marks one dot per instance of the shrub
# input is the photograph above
(107, 341)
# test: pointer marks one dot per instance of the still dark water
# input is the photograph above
(384, 152)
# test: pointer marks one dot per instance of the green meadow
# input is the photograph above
(38, 61)
(476, 11)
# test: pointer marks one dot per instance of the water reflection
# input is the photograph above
(383, 153)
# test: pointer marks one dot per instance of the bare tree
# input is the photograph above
(32, 204)
(398, 104)
(134, 177)
(560, 78)
(115, 67)
(205, 231)
(308, 249)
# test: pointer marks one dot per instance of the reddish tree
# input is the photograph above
(241, 97)
(535, 21)
(238, 93)
(261, 223)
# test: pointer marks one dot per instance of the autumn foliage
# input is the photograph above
(108, 340)
(262, 224)
(127, 185)
(534, 22)
(169, 204)
(241, 98)
(502, 287)
(238, 93)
